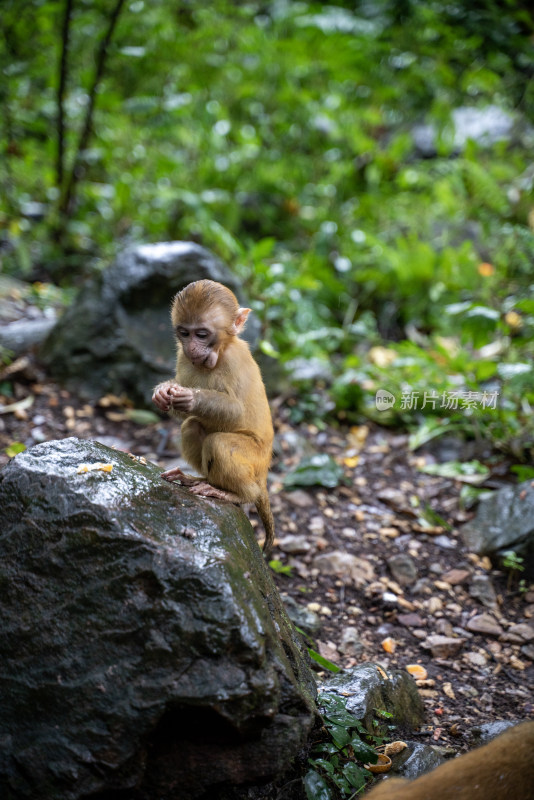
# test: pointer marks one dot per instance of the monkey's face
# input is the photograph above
(200, 342)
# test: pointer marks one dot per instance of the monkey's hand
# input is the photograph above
(181, 398)
(162, 396)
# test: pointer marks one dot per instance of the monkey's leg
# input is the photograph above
(228, 462)
(193, 438)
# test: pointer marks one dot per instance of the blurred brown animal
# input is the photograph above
(500, 770)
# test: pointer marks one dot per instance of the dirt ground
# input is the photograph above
(378, 583)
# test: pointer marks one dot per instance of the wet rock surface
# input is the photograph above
(117, 336)
(368, 687)
(505, 521)
(145, 649)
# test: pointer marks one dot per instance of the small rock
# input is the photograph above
(419, 633)
(303, 618)
(481, 589)
(359, 571)
(456, 576)
(518, 634)
(300, 498)
(38, 435)
(351, 533)
(434, 604)
(475, 659)
(485, 624)
(294, 544)
(444, 627)
(403, 569)
(328, 650)
(528, 651)
(443, 646)
(316, 525)
(393, 498)
(411, 620)
(445, 542)
(351, 644)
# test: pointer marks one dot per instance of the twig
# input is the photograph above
(62, 83)
(77, 170)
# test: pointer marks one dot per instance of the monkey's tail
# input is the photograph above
(263, 508)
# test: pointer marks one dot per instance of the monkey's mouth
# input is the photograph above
(200, 362)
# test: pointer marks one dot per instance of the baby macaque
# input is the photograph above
(227, 430)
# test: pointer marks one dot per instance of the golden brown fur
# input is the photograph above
(227, 431)
(500, 770)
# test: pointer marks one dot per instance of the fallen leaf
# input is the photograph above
(389, 644)
(20, 405)
(448, 690)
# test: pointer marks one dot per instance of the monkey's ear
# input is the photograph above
(240, 320)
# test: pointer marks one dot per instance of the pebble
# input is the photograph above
(403, 569)
(443, 646)
(481, 589)
(411, 620)
(351, 533)
(433, 605)
(345, 565)
(300, 499)
(351, 644)
(445, 542)
(519, 634)
(456, 576)
(294, 544)
(475, 659)
(316, 525)
(485, 624)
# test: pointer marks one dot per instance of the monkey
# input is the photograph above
(218, 393)
(504, 768)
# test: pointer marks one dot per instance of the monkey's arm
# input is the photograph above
(208, 404)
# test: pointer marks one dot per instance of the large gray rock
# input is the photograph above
(117, 336)
(505, 521)
(145, 649)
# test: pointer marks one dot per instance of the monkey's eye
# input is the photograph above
(182, 333)
(202, 334)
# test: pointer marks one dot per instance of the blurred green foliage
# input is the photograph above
(280, 134)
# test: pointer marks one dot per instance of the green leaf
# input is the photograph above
(467, 471)
(316, 470)
(323, 763)
(316, 787)
(14, 449)
(355, 775)
(279, 567)
(523, 472)
(363, 752)
(431, 428)
(141, 416)
(339, 734)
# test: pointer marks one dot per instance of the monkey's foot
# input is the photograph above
(207, 490)
(176, 474)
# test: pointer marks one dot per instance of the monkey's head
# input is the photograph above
(206, 317)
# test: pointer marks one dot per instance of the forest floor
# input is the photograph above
(377, 582)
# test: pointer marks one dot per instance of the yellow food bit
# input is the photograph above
(92, 467)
